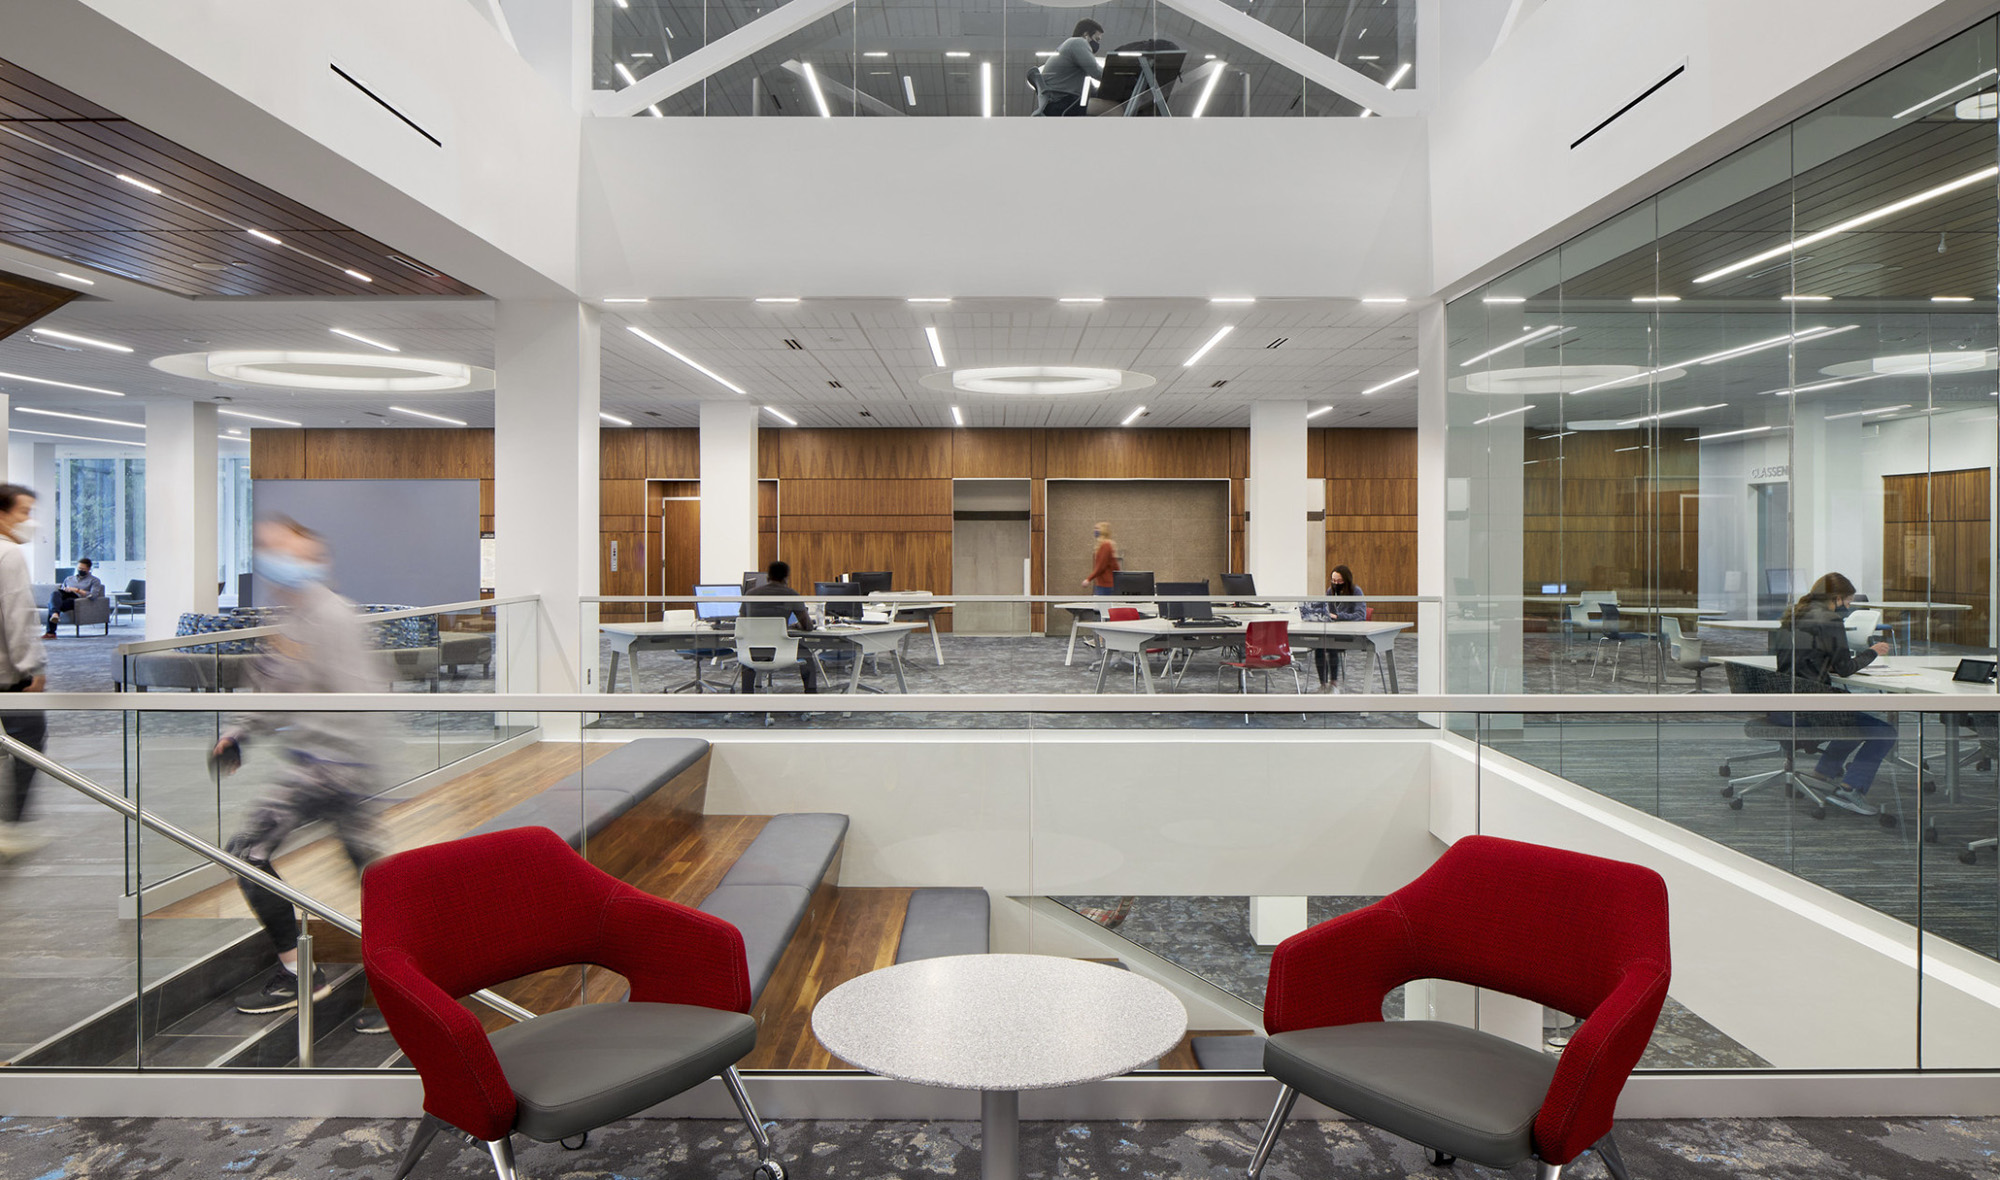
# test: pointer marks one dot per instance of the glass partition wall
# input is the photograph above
(1665, 430)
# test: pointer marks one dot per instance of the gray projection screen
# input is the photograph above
(413, 542)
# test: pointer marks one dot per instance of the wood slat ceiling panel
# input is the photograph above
(23, 301)
(59, 195)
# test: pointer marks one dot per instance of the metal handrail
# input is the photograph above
(903, 598)
(198, 846)
(211, 638)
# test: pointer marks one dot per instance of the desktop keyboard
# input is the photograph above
(869, 622)
(1204, 623)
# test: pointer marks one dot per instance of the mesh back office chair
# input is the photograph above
(1572, 932)
(1804, 735)
(712, 656)
(446, 920)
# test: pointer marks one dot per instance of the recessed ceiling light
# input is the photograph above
(958, 53)
(1401, 72)
(654, 110)
(255, 417)
(80, 417)
(1081, 299)
(1672, 414)
(937, 345)
(123, 442)
(1518, 341)
(1819, 332)
(135, 182)
(986, 90)
(614, 419)
(357, 275)
(1941, 95)
(1390, 383)
(640, 56)
(1733, 433)
(1133, 416)
(1853, 223)
(1806, 298)
(261, 236)
(777, 299)
(819, 96)
(1656, 299)
(875, 53)
(909, 91)
(622, 300)
(86, 341)
(58, 384)
(1233, 299)
(929, 299)
(1501, 414)
(424, 414)
(1384, 299)
(781, 416)
(1505, 299)
(1207, 91)
(1865, 413)
(683, 358)
(1951, 299)
(1316, 413)
(1214, 340)
(625, 73)
(356, 336)
(957, 419)
(63, 274)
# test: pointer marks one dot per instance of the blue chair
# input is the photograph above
(1611, 633)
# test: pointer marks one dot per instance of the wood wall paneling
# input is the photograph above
(1936, 533)
(991, 454)
(281, 454)
(864, 497)
(1371, 513)
(863, 454)
(397, 454)
(1143, 454)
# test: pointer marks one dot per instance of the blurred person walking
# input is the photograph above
(23, 662)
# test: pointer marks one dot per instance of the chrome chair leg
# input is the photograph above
(1614, 1163)
(1279, 1113)
(502, 1150)
(426, 1131)
(1547, 1171)
(767, 1156)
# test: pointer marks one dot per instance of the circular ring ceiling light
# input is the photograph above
(1916, 364)
(1558, 379)
(1037, 380)
(332, 372)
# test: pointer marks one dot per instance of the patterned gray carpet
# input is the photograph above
(1771, 1149)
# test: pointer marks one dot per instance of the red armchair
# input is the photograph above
(1581, 934)
(441, 922)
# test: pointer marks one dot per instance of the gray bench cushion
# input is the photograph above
(1242, 1053)
(585, 804)
(767, 915)
(1464, 1092)
(576, 1069)
(565, 810)
(793, 849)
(944, 922)
(644, 765)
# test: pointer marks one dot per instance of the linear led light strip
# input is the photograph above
(1865, 413)
(79, 417)
(1837, 382)
(1501, 414)
(1133, 416)
(73, 338)
(425, 414)
(1941, 95)
(614, 419)
(1816, 333)
(1208, 91)
(1664, 414)
(184, 203)
(781, 416)
(122, 442)
(937, 345)
(358, 337)
(1517, 342)
(1316, 413)
(1390, 383)
(58, 384)
(1738, 433)
(1214, 340)
(256, 417)
(819, 96)
(957, 418)
(685, 359)
(1855, 222)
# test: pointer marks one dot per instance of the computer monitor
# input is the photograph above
(1198, 609)
(704, 609)
(1548, 588)
(872, 581)
(753, 579)
(843, 599)
(1239, 585)
(1132, 583)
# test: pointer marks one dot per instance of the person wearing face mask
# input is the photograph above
(328, 772)
(23, 662)
(1063, 75)
(1103, 559)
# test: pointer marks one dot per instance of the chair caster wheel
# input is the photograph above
(1439, 1159)
(1983, 765)
(1968, 857)
(1928, 784)
(1736, 805)
(1886, 820)
(1930, 835)
(1819, 813)
(1723, 770)
(769, 1170)
(1729, 791)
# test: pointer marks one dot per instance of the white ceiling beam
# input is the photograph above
(725, 51)
(1292, 54)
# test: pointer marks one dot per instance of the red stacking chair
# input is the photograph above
(1267, 644)
(1578, 933)
(441, 922)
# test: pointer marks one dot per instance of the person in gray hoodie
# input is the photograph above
(329, 771)
(23, 662)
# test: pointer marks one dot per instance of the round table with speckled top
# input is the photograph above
(999, 1024)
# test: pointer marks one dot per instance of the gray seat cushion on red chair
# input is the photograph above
(1461, 1091)
(577, 1069)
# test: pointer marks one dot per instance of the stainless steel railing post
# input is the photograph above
(305, 966)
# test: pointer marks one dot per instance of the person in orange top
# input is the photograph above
(1104, 562)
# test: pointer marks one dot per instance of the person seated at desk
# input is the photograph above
(81, 584)
(1062, 76)
(1811, 646)
(778, 577)
(1344, 601)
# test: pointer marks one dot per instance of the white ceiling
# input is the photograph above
(875, 349)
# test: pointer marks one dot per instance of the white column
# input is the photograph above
(728, 490)
(545, 462)
(1430, 494)
(180, 513)
(41, 473)
(1274, 538)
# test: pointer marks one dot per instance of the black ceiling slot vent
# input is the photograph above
(383, 103)
(1218, 384)
(414, 265)
(836, 385)
(793, 344)
(1642, 96)
(1280, 342)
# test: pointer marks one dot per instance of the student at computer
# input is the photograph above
(1811, 646)
(1103, 559)
(1062, 76)
(1344, 602)
(779, 585)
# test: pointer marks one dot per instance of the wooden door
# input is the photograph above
(677, 541)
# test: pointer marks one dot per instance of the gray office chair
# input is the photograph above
(1805, 735)
(1685, 652)
(767, 646)
(1615, 636)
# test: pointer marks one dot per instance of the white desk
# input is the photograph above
(919, 608)
(1134, 636)
(882, 639)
